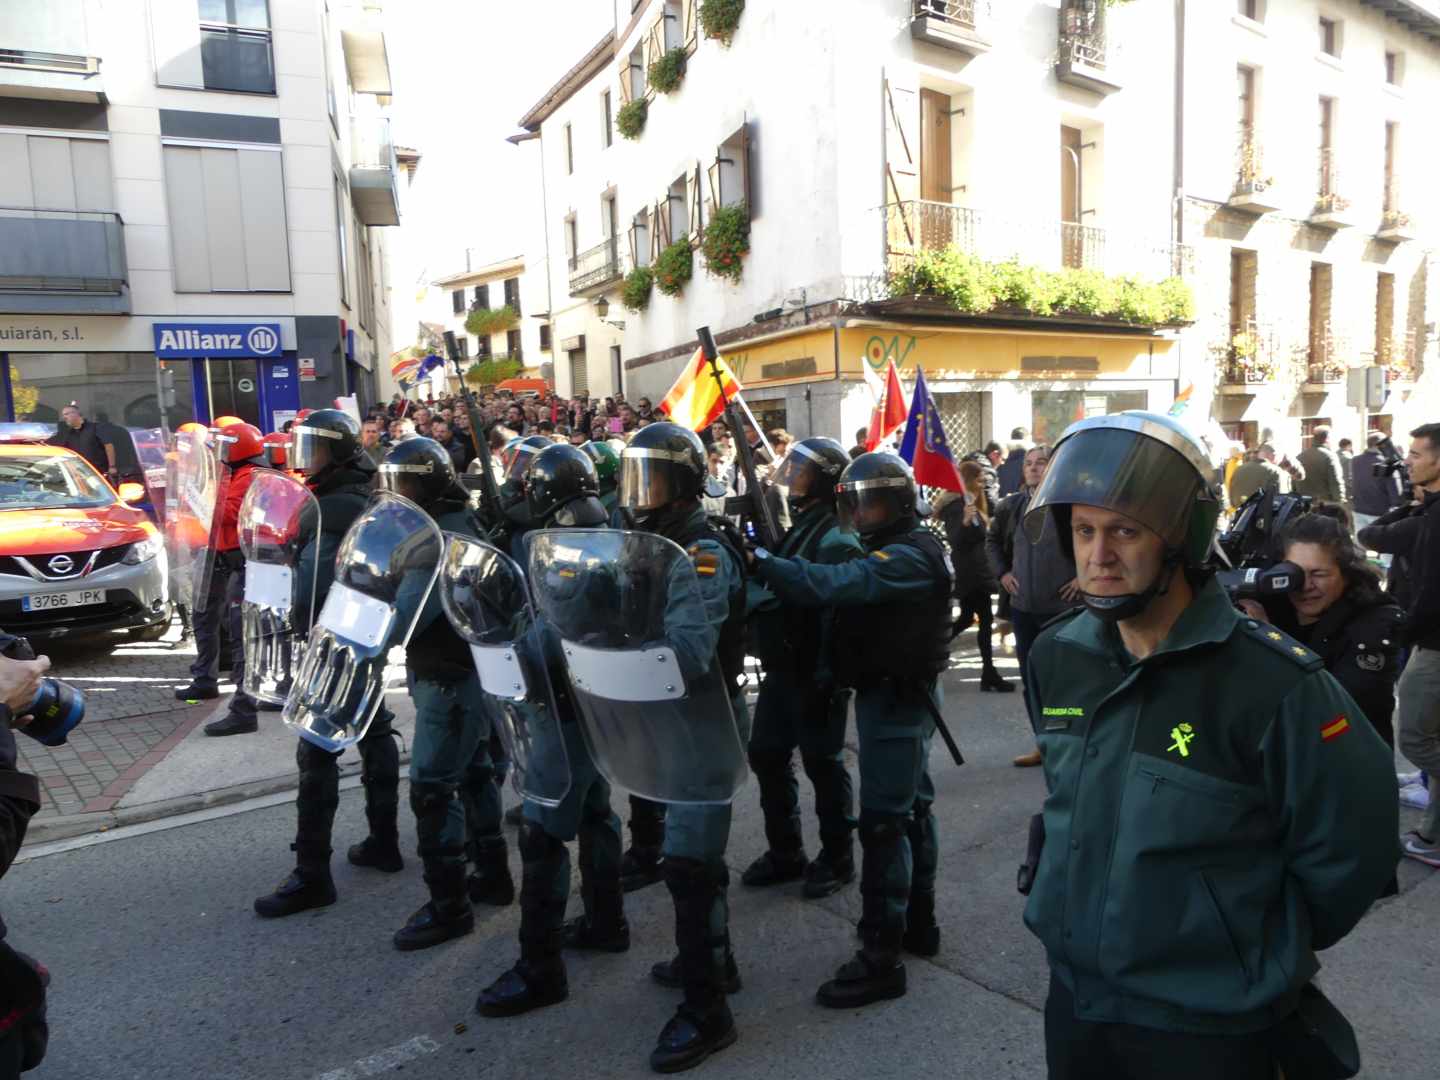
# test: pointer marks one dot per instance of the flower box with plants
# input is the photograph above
(630, 120)
(726, 241)
(482, 322)
(675, 267)
(970, 285)
(720, 19)
(667, 70)
(1246, 364)
(1395, 225)
(493, 371)
(635, 290)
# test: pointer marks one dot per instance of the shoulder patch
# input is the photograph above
(880, 555)
(706, 563)
(1282, 644)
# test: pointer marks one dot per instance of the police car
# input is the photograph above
(76, 558)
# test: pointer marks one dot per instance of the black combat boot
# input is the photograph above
(447, 914)
(308, 886)
(538, 979)
(703, 1023)
(603, 927)
(876, 973)
(829, 872)
(922, 933)
(775, 868)
(377, 854)
(380, 777)
(491, 882)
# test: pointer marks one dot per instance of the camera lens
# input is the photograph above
(57, 709)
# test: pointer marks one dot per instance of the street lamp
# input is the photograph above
(602, 306)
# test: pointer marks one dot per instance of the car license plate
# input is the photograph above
(47, 601)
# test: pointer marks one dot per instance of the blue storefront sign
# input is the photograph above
(179, 341)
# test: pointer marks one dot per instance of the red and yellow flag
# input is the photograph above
(694, 401)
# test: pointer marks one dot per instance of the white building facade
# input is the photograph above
(193, 207)
(1060, 135)
(504, 297)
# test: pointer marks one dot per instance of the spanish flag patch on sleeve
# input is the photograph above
(1334, 729)
(706, 564)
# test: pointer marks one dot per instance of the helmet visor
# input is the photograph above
(311, 448)
(867, 506)
(799, 474)
(404, 479)
(648, 478)
(520, 464)
(1125, 472)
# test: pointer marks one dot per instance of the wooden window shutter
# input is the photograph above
(692, 201)
(691, 27)
(662, 211)
(713, 175)
(634, 246)
(657, 40)
(902, 149)
(743, 164)
(625, 96)
(654, 234)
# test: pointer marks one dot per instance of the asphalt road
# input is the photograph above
(162, 971)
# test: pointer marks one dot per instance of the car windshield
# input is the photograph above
(31, 483)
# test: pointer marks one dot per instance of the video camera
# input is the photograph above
(1393, 462)
(1254, 564)
(57, 708)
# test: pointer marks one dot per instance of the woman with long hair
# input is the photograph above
(966, 517)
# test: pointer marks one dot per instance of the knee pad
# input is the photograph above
(881, 830)
(429, 798)
(536, 844)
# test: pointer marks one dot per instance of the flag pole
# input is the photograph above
(758, 430)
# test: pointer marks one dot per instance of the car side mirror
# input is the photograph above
(131, 492)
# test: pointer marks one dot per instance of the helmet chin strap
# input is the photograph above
(1115, 609)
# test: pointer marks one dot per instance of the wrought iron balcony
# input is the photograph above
(951, 24)
(913, 227)
(595, 268)
(1252, 183)
(1085, 54)
(1332, 209)
(1395, 224)
(62, 261)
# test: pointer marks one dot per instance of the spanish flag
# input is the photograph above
(694, 401)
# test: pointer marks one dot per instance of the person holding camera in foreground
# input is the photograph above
(1219, 808)
(23, 1032)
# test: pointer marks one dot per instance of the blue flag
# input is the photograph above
(924, 445)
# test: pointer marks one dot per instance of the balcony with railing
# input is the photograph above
(1253, 184)
(63, 262)
(1085, 57)
(1251, 358)
(45, 52)
(594, 269)
(1327, 360)
(374, 173)
(916, 226)
(1400, 356)
(1332, 209)
(951, 24)
(1395, 224)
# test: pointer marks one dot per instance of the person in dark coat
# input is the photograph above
(78, 434)
(1012, 469)
(966, 518)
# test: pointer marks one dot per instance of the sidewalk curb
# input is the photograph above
(65, 827)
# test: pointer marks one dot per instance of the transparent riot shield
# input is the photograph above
(483, 591)
(640, 654)
(384, 571)
(279, 519)
(193, 506)
(149, 446)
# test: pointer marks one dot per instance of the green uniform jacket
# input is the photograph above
(1217, 812)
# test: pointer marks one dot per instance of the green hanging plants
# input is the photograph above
(720, 18)
(482, 322)
(667, 70)
(635, 291)
(630, 120)
(727, 241)
(675, 267)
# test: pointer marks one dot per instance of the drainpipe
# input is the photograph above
(1178, 166)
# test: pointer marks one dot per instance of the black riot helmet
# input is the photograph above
(559, 475)
(876, 494)
(324, 439)
(525, 452)
(419, 469)
(663, 465)
(810, 470)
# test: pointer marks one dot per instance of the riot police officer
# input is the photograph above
(1219, 809)
(452, 727)
(662, 472)
(562, 491)
(890, 641)
(607, 466)
(326, 447)
(798, 704)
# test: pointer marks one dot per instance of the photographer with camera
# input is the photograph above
(1376, 477)
(23, 1031)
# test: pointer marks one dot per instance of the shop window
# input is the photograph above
(114, 388)
(1052, 411)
